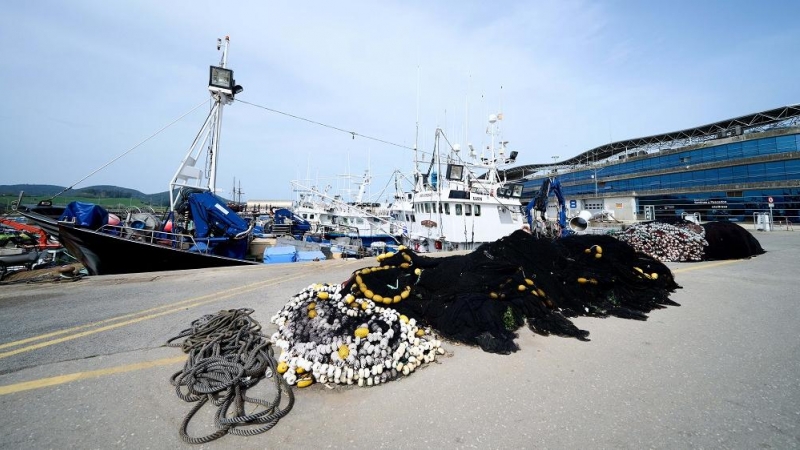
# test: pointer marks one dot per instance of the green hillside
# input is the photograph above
(107, 196)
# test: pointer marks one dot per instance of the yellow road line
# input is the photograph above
(125, 316)
(706, 266)
(183, 307)
(53, 381)
(61, 379)
(242, 289)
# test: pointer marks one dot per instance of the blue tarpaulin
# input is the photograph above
(280, 254)
(213, 218)
(86, 215)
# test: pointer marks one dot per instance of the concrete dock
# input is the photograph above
(82, 365)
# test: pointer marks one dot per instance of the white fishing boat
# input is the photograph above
(463, 202)
(332, 217)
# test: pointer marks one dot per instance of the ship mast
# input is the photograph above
(222, 87)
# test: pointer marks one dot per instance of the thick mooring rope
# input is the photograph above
(228, 354)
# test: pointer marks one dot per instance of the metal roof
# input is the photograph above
(724, 128)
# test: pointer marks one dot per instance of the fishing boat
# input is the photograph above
(200, 230)
(471, 204)
(333, 218)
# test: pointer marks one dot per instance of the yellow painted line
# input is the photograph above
(125, 316)
(242, 289)
(706, 266)
(54, 381)
(217, 296)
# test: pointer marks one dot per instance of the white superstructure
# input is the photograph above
(462, 203)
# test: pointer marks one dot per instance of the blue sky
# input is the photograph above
(87, 80)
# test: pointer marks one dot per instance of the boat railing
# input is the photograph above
(179, 241)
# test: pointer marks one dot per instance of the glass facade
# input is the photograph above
(709, 190)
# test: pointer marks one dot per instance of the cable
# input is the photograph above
(352, 133)
(130, 149)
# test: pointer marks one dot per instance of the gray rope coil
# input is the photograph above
(228, 354)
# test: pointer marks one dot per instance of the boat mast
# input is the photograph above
(222, 88)
(220, 99)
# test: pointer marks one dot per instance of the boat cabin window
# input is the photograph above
(467, 210)
(427, 207)
(477, 210)
(440, 208)
(447, 208)
(459, 208)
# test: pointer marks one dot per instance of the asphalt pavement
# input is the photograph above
(82, 365)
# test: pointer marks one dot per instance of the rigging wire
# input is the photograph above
(352, 133)
(131, 149)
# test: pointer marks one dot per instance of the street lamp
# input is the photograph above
(595, 179)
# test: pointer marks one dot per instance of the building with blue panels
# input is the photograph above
(727, 170)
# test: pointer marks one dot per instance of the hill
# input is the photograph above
(91, 192)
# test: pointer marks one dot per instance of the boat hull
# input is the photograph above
(105, 254)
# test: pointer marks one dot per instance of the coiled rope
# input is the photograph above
(228, 354)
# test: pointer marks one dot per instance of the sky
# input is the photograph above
(87, 81)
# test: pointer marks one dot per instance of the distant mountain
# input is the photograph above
(43, 190)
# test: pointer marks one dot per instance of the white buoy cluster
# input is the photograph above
(665, 242)
(329, 337)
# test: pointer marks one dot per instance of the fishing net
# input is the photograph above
(379, 323)
(728, 240)
(681, 241)
(482, 298)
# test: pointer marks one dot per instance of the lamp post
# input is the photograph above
(595, 179)
(555, 161)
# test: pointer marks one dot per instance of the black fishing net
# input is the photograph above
(728, 240)
(483, 297)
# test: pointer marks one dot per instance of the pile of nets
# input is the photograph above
(666, 242)
(727, 240)
(683, 241)
(376, 321)
(332, 334)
